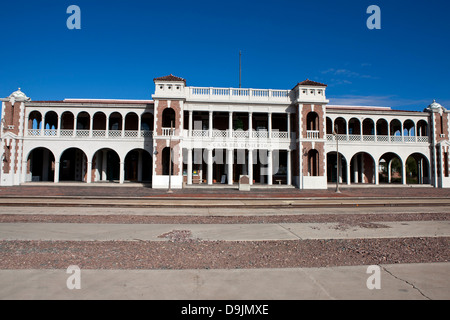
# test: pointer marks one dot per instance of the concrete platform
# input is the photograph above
(226, 232)
(405, 281)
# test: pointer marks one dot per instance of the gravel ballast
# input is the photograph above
(232, 219)
(182, 252)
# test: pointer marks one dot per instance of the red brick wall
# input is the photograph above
(307, 146)
(162, 105)
(320, 147)
(11, 118)
(160, 144)
(307, 108)
(441, 126)
(176, 165)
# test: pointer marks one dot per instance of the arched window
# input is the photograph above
(83, 121)
(313, 162)
(329, 126)
(67, 119)
(422, 128)
(168, 118)
(51, 120)
(166, 161)
(131, 121)
(368, 127)
(382, 127)
(35, 120)
(409, 128)
(340, 125)
(354, 126)
(312, 121)
(115, 121)
(147, 122)
(99, 121)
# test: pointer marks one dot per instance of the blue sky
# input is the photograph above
(123, 45)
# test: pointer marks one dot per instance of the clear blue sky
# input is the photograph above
(123, 45)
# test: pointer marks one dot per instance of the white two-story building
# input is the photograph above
(209, 135)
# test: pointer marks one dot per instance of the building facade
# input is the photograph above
(208, 135)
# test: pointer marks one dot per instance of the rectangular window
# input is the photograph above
(445, 164)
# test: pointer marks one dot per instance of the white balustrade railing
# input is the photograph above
(34, 132)
(259, 93)
(98, 133)
(368, 138)
(237, 134)
(352, 138)
(240, 92)
(200, 133)
(115, 134)
(236, 93)
(423, 139)
(240, 134)
(50, 132)
(280, 135)
(220, 133)
(220, 92)
(131, 133)
(146, 134)
(312, 134)
(260, 134)
(224, 134)
(82, 133)
(66, 133)
(166, 132)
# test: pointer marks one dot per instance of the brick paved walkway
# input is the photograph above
(46, 190)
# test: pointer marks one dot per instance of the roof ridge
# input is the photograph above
(308, 82)
(170, 77)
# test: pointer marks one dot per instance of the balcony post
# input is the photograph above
(210, 134)
(104, 164)
(122, 172)
(58, 130)
(139, 126)
(289, 125)
(270, 125)
(269, 167)
(230, 156)
(189, 166)
(190, 124)
(123, 126)
(56, 176)
(288, 171)
(250, 166)
(210, 167)
(89, 172)
(74, 126)
(91, 124)
(250, 125)
(230, 124)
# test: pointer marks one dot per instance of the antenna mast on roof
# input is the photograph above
(240, 68)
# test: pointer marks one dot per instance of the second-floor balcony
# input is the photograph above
(85, 134)
(166, 132)
(238, 134)
(357, 138)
